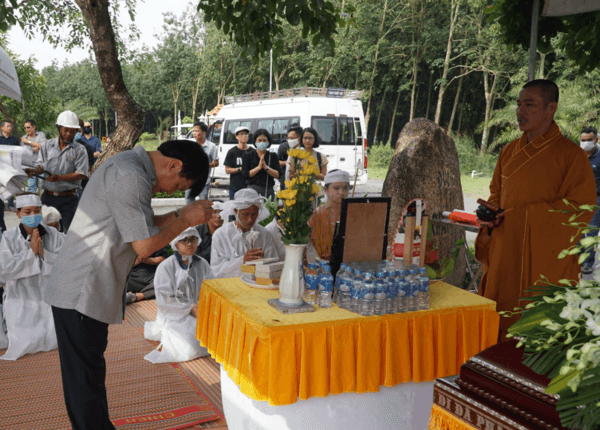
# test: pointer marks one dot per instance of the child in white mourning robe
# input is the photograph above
(177, 285)
(27, 253)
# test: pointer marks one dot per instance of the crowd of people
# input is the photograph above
(84, 248)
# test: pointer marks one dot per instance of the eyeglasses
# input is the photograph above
(27, 127)
(192, 240)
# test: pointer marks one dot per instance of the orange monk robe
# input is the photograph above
(322, 223)
(529, 180)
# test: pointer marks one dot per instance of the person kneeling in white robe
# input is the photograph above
(177, 284)
(244, 239)
(27, 253)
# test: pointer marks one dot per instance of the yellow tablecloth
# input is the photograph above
(280, 358)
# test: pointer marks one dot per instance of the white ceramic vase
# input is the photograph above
(291, 283)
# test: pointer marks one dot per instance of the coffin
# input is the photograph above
(495, 391)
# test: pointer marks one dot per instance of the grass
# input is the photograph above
(150, 145)
(477, 187)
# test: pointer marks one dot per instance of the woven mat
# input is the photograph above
(141, 395)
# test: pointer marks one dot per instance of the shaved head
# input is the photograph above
(548, 89)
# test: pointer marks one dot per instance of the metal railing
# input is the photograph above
(294, 92)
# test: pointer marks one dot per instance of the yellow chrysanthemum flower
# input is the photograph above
(311, 160)
(316, 188)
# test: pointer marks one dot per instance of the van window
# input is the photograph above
(230, 127)
(346, 130)
(357, 128)
(278, 127)
(214, 132)
(326, 127)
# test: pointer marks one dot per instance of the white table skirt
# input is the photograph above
(405, 406)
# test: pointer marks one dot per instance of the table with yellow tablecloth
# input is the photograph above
(281, 358)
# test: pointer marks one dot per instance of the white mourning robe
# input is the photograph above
(3, 337)
(177, 290)
(28, 318)
(277, 232)
(229, 246)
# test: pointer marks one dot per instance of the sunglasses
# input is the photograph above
(191, 240)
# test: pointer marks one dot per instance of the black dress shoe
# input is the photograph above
(587, 269)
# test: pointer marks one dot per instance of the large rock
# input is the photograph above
(425, 165)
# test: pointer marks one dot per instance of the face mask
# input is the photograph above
(32, 221)
(87, 130)
(77, 136)
(262, 146)
(587, 145)
(293, 142)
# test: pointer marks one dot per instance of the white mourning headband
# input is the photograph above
(337, 176)
(191, 231)
(243, 199)
(28, 200)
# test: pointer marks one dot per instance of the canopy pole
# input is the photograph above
(535, 16)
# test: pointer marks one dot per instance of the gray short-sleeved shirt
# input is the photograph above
(91, 269)
(70, 160)
(29, 155)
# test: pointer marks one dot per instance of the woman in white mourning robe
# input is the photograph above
(27, 253)
(177, 285)
(244, 239)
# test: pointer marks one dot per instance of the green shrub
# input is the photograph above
(469, 157)
(187, 120)
(176, 194)
(147, 136)
(380, 156)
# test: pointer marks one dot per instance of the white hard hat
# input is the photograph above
(241, 128)
(68, 119)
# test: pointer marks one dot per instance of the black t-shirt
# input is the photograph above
(234, 159)
(282, 151)
(262, 178)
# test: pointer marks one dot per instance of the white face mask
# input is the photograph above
(293, 142)
(587, 145)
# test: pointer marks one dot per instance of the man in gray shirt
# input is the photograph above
(32, 141)
(114, 223)
(66, 164)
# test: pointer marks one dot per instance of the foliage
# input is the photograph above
(255, 25)
(298, 198)
(469, 158)
(271, 205)
(147, 136)
(175, 195)
(187, 120)
(574, 33)
(560, 329)
(380, 156)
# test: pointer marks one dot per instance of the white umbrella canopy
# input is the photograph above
(569, 7)
(9, 81)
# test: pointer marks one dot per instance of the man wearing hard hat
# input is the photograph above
(63, 165)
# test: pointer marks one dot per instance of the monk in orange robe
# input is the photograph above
(533, 175)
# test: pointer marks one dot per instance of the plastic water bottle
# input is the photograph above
(345, 288)
(380, 303)
(403, 290)
(311, 283)
(357, 290)
(423, 289)
(325, 287)
(412, 296)
(336, 287)
(368, 298)
(391, 306)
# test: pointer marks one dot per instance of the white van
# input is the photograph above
(335, 113)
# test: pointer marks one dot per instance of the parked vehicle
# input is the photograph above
(335, 113)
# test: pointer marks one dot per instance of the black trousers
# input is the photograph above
(2, 225)
(81, 344)
(66, 205)
(141, 281)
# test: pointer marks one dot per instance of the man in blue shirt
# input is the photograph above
(90, 140)
(588, 140)
(6, 137)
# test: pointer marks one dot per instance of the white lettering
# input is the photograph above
(480, 421)
(489, 425)
(467, 415)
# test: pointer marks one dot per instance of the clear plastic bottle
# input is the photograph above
(423, 289)
(368, 298)
(325, 287)
(403, 290)
(345, 288)
(391, 306)
(412, 296)
(379, 307)
(357, 290)
(311, 283)
(338, 278)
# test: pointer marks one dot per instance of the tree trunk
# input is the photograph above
(453, 17)
(379, 115)
(106, 113)
(394, 119)
(131, 115)
(413, 92)
(368, 114)
(460, 82)
(460, 117)
(429, 95)
(489, 97)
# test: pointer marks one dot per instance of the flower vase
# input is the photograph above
(291, 282)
